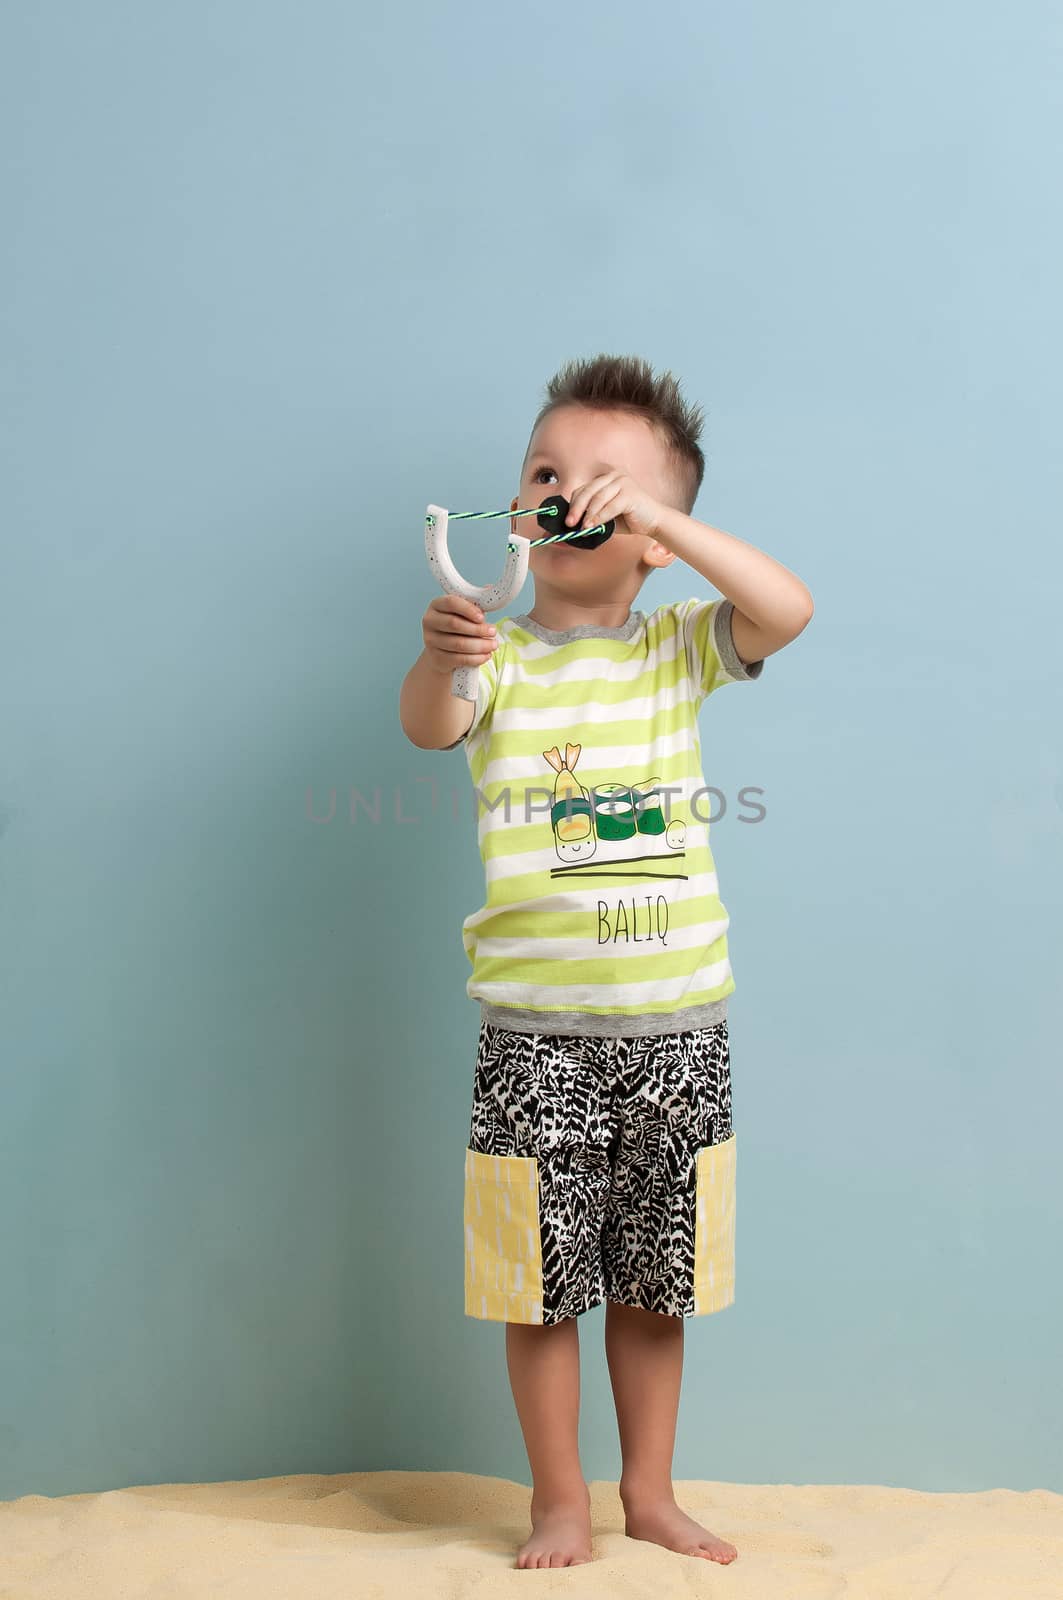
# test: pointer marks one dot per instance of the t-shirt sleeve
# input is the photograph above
(488, 676)
(711, 655)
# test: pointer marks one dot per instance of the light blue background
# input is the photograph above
(275, 276)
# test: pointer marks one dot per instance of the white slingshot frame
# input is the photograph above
(464, 681)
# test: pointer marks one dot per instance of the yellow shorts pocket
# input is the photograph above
(503, 1246)
(714, 1230)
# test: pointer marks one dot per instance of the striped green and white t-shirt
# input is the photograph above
(602, 913)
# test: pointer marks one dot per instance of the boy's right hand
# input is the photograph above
(456, 633)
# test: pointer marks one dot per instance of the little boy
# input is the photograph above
(601, 1156)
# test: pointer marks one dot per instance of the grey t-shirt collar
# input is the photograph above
(582, 630)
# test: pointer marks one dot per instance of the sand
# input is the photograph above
(454, 1536)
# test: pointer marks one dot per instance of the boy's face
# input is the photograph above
(570, 447)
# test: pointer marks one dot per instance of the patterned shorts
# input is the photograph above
(599, 1168)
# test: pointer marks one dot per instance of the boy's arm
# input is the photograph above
(432, 716)
(771, 604)
(752, 642)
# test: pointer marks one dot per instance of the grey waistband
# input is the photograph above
(589, 1024)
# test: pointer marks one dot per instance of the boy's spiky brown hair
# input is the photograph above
(628, 384)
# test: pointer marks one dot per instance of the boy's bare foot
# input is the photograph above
(662, 1522)
(561, 1535)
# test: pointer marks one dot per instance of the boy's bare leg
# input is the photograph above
(644, 1350)
(543, 1361)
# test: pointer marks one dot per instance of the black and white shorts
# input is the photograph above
(599, 1168)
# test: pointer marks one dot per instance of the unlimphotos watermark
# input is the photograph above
(621, 808)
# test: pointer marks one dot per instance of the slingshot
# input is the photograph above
(464, 681)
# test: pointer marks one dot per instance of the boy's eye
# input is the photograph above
(539, 471)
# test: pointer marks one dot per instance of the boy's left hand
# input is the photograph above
(615, 495)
